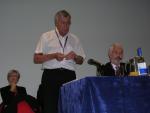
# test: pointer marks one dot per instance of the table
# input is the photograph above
(106, 95)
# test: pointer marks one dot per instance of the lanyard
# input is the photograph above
(62, 46)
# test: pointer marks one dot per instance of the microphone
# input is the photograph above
(94, 62)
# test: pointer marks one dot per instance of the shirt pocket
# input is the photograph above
(68, 49)
(52, 47)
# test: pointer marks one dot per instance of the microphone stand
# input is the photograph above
(99, 66)
(98, 71)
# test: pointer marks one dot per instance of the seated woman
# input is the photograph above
(15, 98)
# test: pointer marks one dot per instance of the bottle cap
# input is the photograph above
(139, 52)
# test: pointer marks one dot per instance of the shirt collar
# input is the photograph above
(60, 35)
(114, 66)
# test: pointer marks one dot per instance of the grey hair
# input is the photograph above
(114, 45)
(13, 71)
(62, 13)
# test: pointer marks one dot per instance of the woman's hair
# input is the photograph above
(13, 71)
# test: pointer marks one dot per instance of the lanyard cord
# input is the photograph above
(63, 47)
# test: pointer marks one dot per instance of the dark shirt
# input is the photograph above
(107, 70)
(8, 96)
(10, 99)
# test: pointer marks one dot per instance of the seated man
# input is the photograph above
(115, 67)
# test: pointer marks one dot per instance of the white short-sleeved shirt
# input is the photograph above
(49, 43)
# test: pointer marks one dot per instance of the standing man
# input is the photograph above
(58, 51)
(115, 67)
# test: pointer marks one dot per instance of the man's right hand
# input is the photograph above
(41, 58)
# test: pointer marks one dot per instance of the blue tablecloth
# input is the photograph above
(106, 95)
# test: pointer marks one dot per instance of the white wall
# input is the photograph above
(98, 23)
